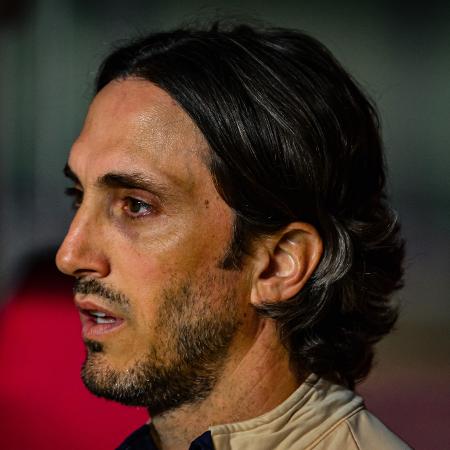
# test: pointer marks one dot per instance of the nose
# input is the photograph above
(81, 254)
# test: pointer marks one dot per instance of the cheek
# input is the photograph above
(161, 247)
(150, 257)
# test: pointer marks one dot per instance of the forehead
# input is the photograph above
(133, 124)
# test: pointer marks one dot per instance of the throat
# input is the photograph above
(236, 396)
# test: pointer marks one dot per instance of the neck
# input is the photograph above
(253, 382)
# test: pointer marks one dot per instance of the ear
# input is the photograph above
(284, 262)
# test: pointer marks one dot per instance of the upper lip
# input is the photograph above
(86, 305)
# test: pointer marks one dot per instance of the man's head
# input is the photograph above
(225, 178)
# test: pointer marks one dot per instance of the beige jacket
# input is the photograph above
(319, 415)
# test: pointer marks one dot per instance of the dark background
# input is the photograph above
(399, 52)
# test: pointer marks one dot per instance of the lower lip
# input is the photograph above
(90, 327)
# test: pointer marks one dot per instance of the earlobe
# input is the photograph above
(286, 262)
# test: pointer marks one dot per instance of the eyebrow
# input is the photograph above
(124, 180)
(134, 180)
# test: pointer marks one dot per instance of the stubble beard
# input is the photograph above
(186, 362)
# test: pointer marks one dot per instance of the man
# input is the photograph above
(233, 250)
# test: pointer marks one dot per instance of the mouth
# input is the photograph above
(97, 321)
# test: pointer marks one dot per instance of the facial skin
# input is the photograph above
(181, 334)
(149, 255)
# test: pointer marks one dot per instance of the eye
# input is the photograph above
(137, 208)
(76, 195)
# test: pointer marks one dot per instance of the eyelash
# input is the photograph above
(76, 195)
(128, 203)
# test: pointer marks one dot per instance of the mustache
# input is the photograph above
(95, 287)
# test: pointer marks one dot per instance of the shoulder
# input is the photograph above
(360, 431)
(318, 416)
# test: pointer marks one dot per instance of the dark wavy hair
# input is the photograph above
(292, 138)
